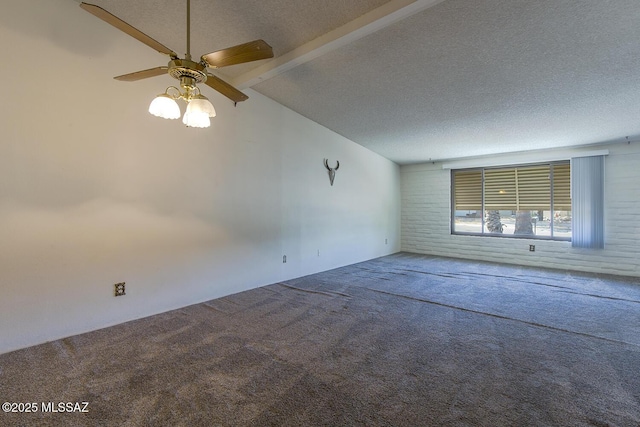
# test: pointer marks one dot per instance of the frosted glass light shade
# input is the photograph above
(200, 103)
(199, 109)
(196, 119)
(164, 106)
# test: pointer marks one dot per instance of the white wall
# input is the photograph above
(426, 220)
(95, 191)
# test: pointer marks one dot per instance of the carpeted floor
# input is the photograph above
(403, 340)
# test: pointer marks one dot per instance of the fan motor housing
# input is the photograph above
(179, 68)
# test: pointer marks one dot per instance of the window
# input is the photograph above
(521, 201)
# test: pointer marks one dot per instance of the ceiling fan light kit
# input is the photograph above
(199, 108)
(189, 73)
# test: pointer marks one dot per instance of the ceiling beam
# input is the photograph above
(377, 19)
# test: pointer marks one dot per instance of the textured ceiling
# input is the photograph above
(452, 79)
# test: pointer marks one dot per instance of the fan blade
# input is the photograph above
(225, 88)
(247, 52)
(123, 26)
(139, 75)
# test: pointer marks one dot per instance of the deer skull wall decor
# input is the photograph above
(332, 171)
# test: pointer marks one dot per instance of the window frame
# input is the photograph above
(484, 232)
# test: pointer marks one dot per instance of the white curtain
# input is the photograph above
(587, 202)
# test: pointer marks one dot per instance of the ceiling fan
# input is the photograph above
(186, 70)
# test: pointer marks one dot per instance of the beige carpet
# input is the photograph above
(404, 340)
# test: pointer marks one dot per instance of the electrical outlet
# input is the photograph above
(532, 248)
(385, 241)
(318, 252)
(118, 289)
(284, 259)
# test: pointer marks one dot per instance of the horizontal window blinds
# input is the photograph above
(523, 188)
(527, 188)
(562, 187)
(467, 190)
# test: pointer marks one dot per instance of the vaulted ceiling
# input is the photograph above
(426, 79)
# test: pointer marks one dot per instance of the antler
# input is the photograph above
(332, 172)
(326, 165)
